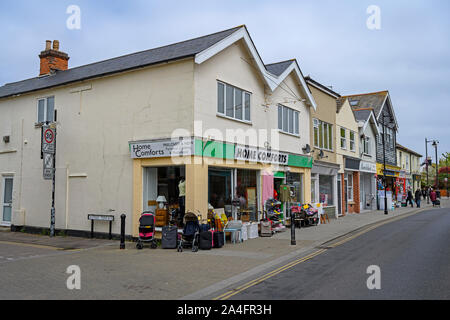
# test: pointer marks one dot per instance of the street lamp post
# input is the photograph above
(446, 169)
(434, 144)
(426, 166)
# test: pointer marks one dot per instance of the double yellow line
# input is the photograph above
(269, 275)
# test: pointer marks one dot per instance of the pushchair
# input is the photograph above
(191, 233)
(146, 230)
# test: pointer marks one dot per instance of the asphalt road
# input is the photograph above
(413, 256)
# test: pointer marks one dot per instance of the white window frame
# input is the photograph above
(349, 186)
(366, 146)
(243, 110)
(352, 141)
(45, 99)
(343, 139)
(295, 130)
(326, 127)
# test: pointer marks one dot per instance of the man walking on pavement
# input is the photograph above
(409, 198)
(418, 196)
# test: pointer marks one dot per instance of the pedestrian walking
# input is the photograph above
(409, 198)
(418, 196)
(433, 196)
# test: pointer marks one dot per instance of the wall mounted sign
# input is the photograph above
(253, 154)
(162, 149)
(368, 167)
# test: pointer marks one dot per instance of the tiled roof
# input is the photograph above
(136, 60)
(373, 100)
(279, 67)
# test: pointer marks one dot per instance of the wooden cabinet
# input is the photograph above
(161, 217)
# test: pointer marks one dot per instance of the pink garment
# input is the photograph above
(267, 187)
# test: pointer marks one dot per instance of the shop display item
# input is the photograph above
(146, 230)
(266, 228)
(191, 233)
(218, 239)
(169, 238)
(206, 240)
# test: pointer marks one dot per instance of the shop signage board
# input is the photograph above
(253, 154)
(162, 149)
(368, 167)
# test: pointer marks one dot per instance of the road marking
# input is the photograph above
(269, 275)
(31, 245)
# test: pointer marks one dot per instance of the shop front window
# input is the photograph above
(295, 180)
(326, 190)
(162, 181)
(247, 193)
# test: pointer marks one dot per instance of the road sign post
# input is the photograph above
(48, 153)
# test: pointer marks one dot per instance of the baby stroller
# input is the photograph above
(191, 233)
(146, 230)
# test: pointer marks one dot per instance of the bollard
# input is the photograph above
(122, 231)
(293, 242)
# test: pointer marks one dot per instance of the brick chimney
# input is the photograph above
(53, 59)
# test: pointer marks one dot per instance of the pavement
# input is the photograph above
(34, 266)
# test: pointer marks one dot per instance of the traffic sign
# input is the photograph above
(48, 139)
(48, 166)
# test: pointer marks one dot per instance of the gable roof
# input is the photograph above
(367, 116)
(374, 101)
(321, 87)
(132, 61)
(202, 49)
(279, 67)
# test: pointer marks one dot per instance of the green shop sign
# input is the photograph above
(229, 151)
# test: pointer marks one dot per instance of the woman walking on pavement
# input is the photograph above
(418, 196)
(433, 196)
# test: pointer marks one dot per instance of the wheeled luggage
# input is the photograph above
(266, 228)
(206, 240)
(169, 238)
(218, 239)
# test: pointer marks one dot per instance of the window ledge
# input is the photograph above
(289, 134)
(234, 119)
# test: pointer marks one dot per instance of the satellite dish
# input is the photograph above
(307, 149)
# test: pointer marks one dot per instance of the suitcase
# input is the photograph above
(218, 239)
(206, 240)
(169, 238)
(266, 228)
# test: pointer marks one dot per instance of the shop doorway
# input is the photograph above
(220, 188)
(339, 194)
(7, 200)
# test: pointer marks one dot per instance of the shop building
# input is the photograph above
(368, 131)
(381, 104)
(324, 174)
(130, 129)
(348, 158)
(409, 162)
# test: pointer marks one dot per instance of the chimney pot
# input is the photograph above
(56, 45)
(48, 45)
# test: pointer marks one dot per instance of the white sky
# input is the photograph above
(409, 55)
